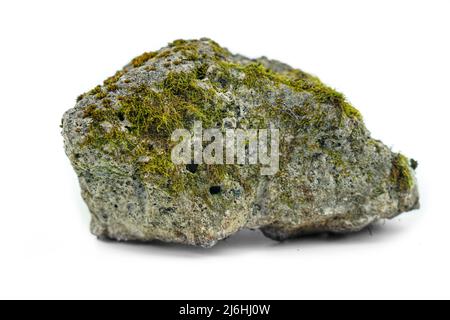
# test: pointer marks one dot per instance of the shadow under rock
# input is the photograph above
(253, 240)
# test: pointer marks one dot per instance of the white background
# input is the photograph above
(391, 58)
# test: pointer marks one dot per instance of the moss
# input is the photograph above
(159, 163)
(401, 175)
(201, 71)
(114, 79)
(106, 103)
(114, 141)
(95, 91)
(152, 113)
(90, 111)
(101, 95)
(192, 56)
(336, 159)
(223, 75)
(163, 54)
(300, 81)
(260, 78)
(189, 49)
(256, 76)
(112, 87)
(178, 43)
(96, 113)
(351, 111)
(217, 173)
(142, 59)
(193, 101)
(219, 51)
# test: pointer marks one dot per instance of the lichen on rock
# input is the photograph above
(333, 176)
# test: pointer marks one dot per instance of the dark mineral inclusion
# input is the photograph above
(333, 177)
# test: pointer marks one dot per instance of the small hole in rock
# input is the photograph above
(201, 72)
(121, 116)
(215, 190)
(223, 82)
(192, 167)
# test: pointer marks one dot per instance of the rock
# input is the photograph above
(332, 177)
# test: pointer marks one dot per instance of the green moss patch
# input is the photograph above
(139, 125)
(142, 59)
(401, 175)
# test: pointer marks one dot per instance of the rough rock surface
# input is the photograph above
(333, 176)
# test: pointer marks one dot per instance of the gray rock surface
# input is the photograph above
(333, 176)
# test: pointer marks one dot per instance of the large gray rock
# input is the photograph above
(333, 177)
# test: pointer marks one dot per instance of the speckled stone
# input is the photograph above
(333, 176)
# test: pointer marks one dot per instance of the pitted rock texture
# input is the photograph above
(333, 176)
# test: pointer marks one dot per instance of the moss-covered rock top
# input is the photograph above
(157, 92)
